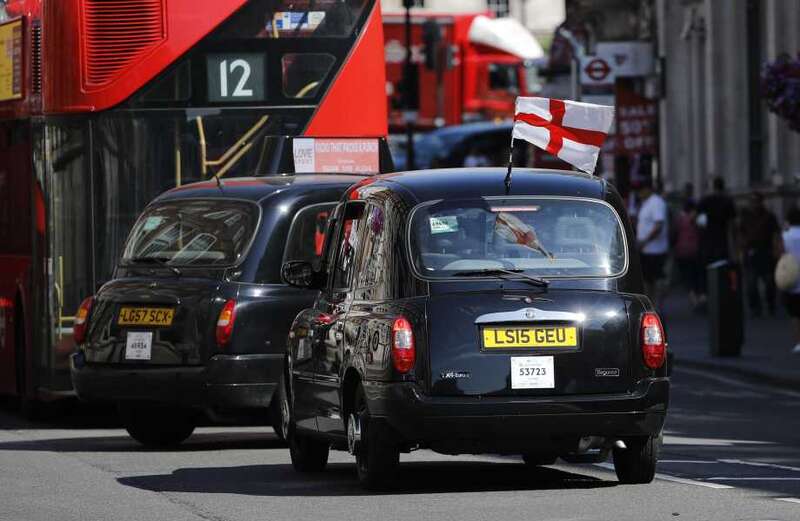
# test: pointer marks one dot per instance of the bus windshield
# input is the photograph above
(545, 237)
(192, 233)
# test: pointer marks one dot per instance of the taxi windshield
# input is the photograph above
(543, 237)
(192, 233)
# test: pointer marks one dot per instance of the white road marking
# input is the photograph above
(666, 477)
(711, 442)
(720, 478)
(788, 499)
(685, 481)
(709, 462)
(759, 464)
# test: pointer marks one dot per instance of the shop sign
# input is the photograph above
(11, 60)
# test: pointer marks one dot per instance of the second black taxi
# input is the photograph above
(459, 316)
(196, 316)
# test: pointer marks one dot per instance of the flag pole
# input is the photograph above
(510, 165)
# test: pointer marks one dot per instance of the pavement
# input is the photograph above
(766, 354)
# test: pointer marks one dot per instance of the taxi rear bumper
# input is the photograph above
(506, 424)
(226, 381)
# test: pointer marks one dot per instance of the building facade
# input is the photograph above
(713, 119)
(540, 16)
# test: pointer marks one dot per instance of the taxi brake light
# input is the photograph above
(654, 344)
(81, 324)
(225, 323)
(403, 350)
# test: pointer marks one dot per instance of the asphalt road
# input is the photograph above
(731, 452)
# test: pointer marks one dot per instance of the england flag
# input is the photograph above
(570, 130)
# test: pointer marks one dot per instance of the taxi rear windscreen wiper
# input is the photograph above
(157, 260)
(504, 272)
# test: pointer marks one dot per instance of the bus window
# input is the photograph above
(503, 77)
(295, 19)
(176, 85)
(303, 74)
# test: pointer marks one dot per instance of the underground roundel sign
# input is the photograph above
(597, 69)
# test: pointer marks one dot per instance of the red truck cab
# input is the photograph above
(467, 67)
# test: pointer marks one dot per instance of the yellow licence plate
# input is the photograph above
(160, 317)
(515, 337)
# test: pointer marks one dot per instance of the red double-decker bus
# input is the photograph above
(106, 103)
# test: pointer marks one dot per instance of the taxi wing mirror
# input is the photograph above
(301, 274)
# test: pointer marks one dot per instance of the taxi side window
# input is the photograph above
(372, 246)
(347, 245)
(307, 234)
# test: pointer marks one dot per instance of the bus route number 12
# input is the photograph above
(235, 77)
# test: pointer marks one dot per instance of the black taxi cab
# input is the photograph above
(459, 316)
(196, 317)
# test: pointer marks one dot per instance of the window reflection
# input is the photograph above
(295, 19)
(183, 233)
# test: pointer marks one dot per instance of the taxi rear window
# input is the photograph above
(192, 233)
(543, 237)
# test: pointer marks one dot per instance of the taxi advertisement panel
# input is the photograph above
(11, 60)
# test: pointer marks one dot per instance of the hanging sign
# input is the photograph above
(11, 60)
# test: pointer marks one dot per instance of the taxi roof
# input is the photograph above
(462, 183)
(258, 188)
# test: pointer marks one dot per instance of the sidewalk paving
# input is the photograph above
(766, 354)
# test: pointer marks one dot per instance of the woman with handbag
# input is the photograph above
(787, 272)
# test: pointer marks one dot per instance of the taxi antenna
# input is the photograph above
(510, 166)
(220, 184)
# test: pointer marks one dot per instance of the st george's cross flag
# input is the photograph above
(570, 130)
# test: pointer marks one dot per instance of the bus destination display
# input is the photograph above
(235, 77)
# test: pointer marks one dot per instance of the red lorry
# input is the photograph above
(466, 67)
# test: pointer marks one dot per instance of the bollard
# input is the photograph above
(725, 308)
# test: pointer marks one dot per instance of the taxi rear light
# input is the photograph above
(654, 343)
(225, 323)
(81, 324)
(403, 350)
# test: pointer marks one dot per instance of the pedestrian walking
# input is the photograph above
(652, 236)
(687, 253)
(791, 296)
(760, 242)
(716, 217)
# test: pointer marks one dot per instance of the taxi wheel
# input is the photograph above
(308, 454)
(157, 426)
(276, 413)
(533, 459)
(636, 463)
(376, 460)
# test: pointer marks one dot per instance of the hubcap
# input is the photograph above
(285, 415)
(353, 433)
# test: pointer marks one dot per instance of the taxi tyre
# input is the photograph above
(636, 464)
(307, 453)
(156, 426)
(276, 415)
(376, 460)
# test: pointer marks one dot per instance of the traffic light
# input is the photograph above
(431, 35)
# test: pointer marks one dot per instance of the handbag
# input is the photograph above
(787, 272)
